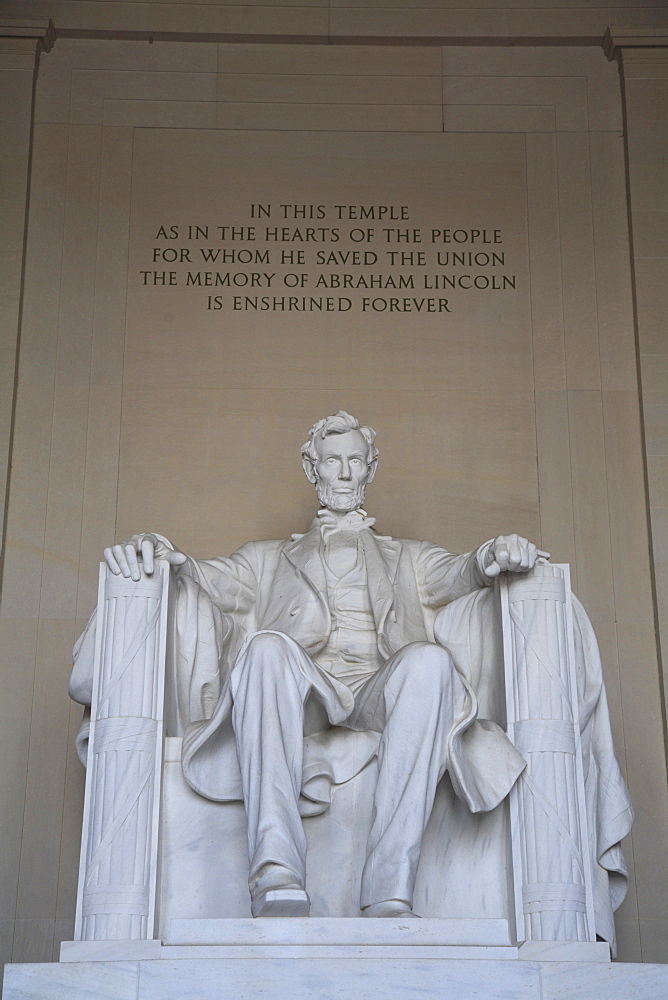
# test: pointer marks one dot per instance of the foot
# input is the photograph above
(389, 908)
(276, 892)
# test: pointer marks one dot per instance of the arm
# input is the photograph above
(445, 576)
(230, 582)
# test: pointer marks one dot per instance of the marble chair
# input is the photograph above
(161, 863)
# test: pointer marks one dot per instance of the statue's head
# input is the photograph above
(340, 458)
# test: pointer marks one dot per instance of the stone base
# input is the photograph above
(374, 978)
(335, 938)
(316, 959)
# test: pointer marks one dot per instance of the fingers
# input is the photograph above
(118, 552)
(147, 554)
(500, 554)
(492, 570)
(110, 560)
(138, 552)
(132, 561)
(527, 555)
(513, 554)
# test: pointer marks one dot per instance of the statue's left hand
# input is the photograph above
(512, 554)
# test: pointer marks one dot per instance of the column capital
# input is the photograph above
(22, 41)
(618, 38)
(40, 29)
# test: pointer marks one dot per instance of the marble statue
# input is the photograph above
(284, 648)
(341, 616)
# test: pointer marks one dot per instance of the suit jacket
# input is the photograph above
(280, 586)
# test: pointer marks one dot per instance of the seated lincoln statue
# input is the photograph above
(288, 645)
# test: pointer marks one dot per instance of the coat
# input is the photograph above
(280, 586)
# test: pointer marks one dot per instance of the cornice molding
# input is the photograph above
(618, 38)
(40, 29)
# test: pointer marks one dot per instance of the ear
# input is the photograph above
(372, 471)
(309, 470)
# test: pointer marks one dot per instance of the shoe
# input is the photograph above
(390, 908)
(275, 892)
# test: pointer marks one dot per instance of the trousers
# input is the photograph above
(413, 700)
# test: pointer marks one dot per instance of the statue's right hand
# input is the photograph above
(123, 560)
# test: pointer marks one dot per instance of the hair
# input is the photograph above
(339, 423)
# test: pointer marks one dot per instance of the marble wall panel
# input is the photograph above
(220, 351)
(650, 234)
(657, 472)
(75, 320)
(581, 339)
(627, 926)
(567, 94)
(393, 22)
(33, 940)
(547, 311)
(649, 181)
(16, 72)
(589, 494)
(557, 529)
(19, 641)
(459, 501)
(113, 227)
(318, 88)
(334, 117)
(372, 60)
(27, 503)
(159, 114)
(650, 320)
(52, 408)
(508, 118)
(44, 253)
(628, 521)
(654, 384)
(647, 98)
(645, 75)
(49, 733)
(642, 725)
(614, 291)
(70, 841)
(90, 88)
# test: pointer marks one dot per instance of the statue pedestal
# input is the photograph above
(318, 959)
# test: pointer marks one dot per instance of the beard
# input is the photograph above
(339, 502)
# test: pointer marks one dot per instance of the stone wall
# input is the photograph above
(137, 407)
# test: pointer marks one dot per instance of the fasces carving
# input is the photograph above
(552, 874)
(117, 883)
(342, 632)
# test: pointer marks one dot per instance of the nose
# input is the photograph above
(344, 472)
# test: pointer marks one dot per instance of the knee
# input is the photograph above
(267, 643)
(267, 653)
(428, 664)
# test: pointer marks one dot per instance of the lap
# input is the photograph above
(331, 701)
(425, 661)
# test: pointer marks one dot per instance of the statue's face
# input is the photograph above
(342, 471)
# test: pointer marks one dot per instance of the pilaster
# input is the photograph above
(22, 41)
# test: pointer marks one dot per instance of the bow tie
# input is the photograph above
(355, 520)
